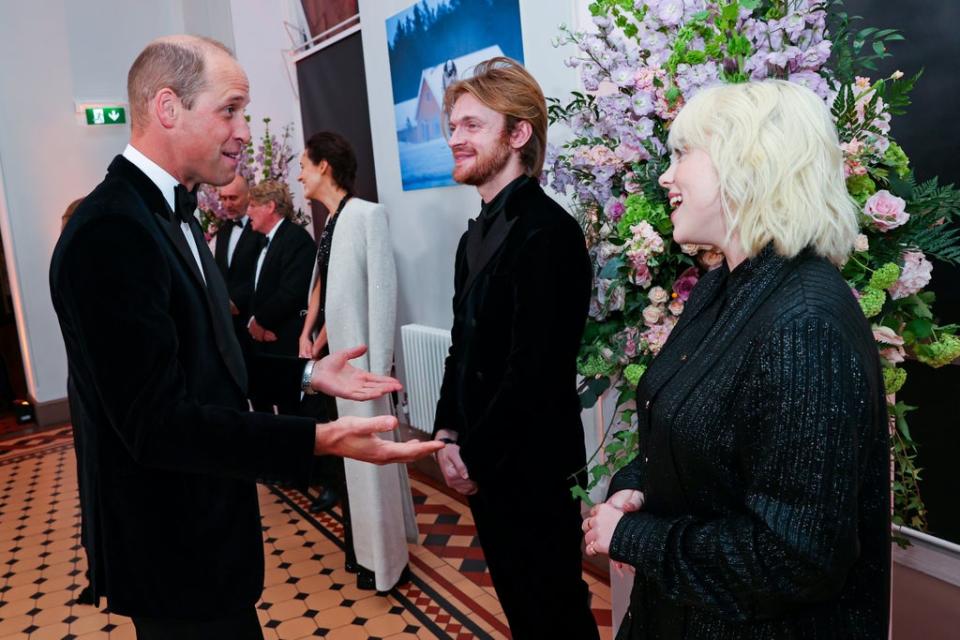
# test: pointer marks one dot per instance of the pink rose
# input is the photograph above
(914, 276)
(658, 295)
(652, 315)
(861, 244)
(686, 282)
(641, 275)
(676, 307)
(886, 210)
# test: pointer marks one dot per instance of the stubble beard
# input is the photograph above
(485, 166)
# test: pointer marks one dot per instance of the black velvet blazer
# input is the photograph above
(764, 460)
(509, 386)
(167, 452)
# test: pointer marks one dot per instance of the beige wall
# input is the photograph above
(924, 608)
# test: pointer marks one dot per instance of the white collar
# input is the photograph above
(273, 231)
(157, 174)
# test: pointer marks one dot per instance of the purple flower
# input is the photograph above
(686, 282)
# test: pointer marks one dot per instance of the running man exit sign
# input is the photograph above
(101, 112)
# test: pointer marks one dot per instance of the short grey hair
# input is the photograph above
(176, 63)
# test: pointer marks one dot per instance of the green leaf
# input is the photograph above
(921, 328)
(609, 271)
(728, 14)
(578, 492)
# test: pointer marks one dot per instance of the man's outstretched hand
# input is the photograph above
(357, 438)
(335, 376)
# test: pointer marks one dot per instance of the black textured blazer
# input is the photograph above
(510, 379)
(167, 452)
(764, 460)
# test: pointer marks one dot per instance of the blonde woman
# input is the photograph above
(353, 300)
(758, 506)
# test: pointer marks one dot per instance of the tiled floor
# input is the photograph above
(308, 593)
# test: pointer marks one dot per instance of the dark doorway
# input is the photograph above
(13, 382)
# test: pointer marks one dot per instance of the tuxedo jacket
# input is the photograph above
(167, 454)
(278, 298)
(239, 275)
(510, 379)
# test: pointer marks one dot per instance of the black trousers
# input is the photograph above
(532, 547)
(243, 625)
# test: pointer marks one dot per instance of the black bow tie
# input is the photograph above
(236, 222)
(186, 202)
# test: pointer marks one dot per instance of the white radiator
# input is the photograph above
(424, 351)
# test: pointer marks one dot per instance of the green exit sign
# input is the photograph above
(106, 115)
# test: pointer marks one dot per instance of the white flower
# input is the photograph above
(652, 314)
(658, 295)
(861, 243)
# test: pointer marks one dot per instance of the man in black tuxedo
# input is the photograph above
(167, 453)
(280, 283)
(235, 249)
(508, 409)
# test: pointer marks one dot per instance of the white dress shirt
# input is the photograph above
(166, 183)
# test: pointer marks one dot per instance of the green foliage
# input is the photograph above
(893, 379)
(885, 276)
(871, 301)
(943, 351)
(861, 188)
(855, 52)
(640, 209)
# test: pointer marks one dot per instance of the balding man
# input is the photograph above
(167, 455)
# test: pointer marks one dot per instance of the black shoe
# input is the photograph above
(351, 566)
(325, 501)
(366, 579)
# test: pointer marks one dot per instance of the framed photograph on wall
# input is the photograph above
(432, 44)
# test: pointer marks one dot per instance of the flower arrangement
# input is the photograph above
(269, 159)
(638, 67)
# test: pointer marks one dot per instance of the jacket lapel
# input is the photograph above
(273, 251)
(485, 247)
(218, 299)
(223, 248)
(218, 313)
(246, 244)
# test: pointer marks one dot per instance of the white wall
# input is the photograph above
(53, 52)
(261, 43)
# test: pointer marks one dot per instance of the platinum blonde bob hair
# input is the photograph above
(778, 158)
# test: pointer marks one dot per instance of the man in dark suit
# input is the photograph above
(280, 283)
(167, 453)
(235, 249)
(508, 409)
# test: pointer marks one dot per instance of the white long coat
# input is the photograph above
(361, 308)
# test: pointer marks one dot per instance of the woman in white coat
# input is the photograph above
(353, 300)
